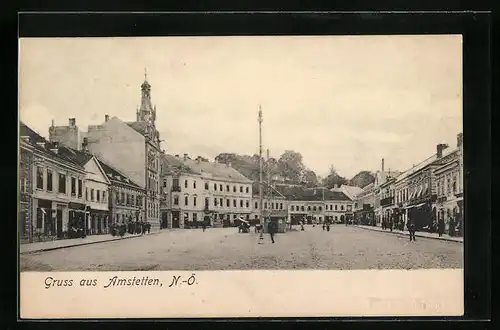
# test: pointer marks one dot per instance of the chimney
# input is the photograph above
(177, 156)
(72, 122)
(185, 156)
(382, 164)
(52, 122)
(439, 149)
(460, 139)
(106, 118)
(85, 144)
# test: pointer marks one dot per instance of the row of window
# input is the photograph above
(45, 181)
(448, 184)
(272, 205)
(217, 202)
(315, 208)
(216, 187)
(127, 199)
(96, 195)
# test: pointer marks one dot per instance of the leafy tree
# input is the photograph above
(290, 166)
(362, 179)
(309, 178)
(333, 179)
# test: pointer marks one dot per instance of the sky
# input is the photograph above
(341, 101)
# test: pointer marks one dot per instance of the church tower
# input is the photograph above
(146, 112)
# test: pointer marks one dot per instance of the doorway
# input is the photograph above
(175, 219)
(59, 223)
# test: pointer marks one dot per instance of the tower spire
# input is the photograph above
(145, 74)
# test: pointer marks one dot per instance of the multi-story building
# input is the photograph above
(133, 148)
(307, 205)
(364, 206)
(25, 189)
(96, 190)
(450, 189)
(389, 209)
(416, 190)
(274, 204)
(58, 202)
(198, 190)
(125, 199)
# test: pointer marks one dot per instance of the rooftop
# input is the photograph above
(186, 165)
(115, 176)
(42, 145)
(301, 193)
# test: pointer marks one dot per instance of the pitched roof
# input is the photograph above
(77, 156)
(217, 170)
(139, 126)
(301, 193)
(46, 147)
(114, 175)
(424, 163)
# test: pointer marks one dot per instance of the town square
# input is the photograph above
(168, 164)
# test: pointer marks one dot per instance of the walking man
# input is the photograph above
(272, 229)
(441, 226)
(411, 229)
(390, 223)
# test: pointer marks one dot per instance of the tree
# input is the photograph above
(309, 178)
(333, 179)
(362, 179)
(290, 166)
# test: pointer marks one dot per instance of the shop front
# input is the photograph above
(76, 220)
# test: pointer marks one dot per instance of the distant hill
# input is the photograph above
(362, 179)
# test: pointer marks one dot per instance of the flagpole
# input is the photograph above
(261, 179)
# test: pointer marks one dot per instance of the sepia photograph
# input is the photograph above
(241, 153)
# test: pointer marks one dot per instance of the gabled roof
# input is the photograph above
(218, 171)
(45, 147)
(115, 176)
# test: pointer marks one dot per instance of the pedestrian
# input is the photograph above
(441, 226)
(204, 226)
(411, 229)
(328, 226)
(383, 224)
(272, 229)
(302, 226)
(323, 226)
(390, 224)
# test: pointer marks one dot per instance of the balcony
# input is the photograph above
(176, 189)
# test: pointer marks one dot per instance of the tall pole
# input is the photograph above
(261, 193)
(269, 191)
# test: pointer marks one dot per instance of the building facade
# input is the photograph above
(125, 198)
(58, 183)
(25, 190)
(450, 190)
(133, 148)
(198, 190)
(96, 191)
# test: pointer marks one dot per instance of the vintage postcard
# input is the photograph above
(284, 176)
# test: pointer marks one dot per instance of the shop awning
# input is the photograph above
(420, 192)
(412, 206)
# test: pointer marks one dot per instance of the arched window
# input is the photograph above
(206, 185)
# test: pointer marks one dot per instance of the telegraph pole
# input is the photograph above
(261, 179)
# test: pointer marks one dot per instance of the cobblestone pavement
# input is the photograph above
(226, 249)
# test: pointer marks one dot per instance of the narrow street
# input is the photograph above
(226, 249)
